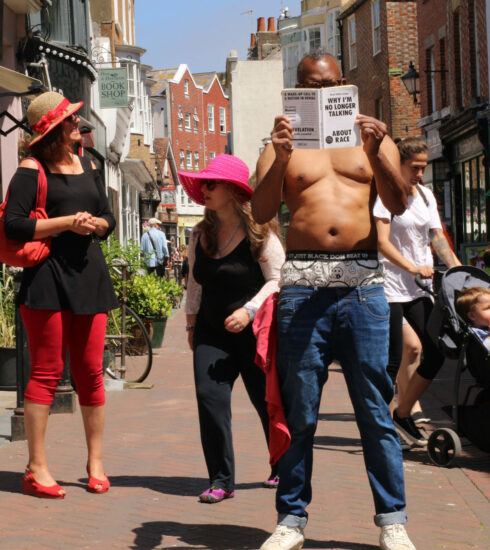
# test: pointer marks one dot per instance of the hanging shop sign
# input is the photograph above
(113, 88)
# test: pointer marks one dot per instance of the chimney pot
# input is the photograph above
(261, 24)
(271, 24)
(252, 41)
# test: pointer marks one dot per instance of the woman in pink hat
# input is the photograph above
(234, 264)
(65, 299)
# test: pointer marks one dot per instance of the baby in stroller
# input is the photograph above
(473, 305)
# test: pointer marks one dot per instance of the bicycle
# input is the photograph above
(128, 353)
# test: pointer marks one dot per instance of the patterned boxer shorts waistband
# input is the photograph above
(327, 255)
(349, 273)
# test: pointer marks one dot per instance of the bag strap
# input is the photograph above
(42, 185)
(423, 195)
(152, 243)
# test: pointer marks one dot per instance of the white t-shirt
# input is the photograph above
(409, 233)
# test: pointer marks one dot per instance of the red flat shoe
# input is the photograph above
(31, 487)
(93, 482)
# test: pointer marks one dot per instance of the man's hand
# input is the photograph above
(282, 138)
(373, 132)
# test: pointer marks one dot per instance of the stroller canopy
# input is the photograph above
(453, 281)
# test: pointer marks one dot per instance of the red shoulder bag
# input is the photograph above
(31, 253)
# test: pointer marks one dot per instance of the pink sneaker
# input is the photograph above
(215, 494)
(271, 483)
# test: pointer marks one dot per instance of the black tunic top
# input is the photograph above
(74, 276)
(227, 283)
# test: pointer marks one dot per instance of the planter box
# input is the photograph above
(156, 330)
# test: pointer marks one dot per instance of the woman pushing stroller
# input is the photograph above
(404, 243)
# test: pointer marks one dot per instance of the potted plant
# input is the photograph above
(148, 296)
(175, 292)
(7, 331)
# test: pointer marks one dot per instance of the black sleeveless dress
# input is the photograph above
(228, 283)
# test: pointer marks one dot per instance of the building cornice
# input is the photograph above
(24, 6)
(129, 48)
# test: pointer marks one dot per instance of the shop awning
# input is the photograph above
(18, 84)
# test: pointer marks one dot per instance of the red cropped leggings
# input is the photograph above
(50, 333)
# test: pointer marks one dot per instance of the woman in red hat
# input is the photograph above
(65, 299)
(234, 264)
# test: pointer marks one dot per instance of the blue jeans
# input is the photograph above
(316, 326)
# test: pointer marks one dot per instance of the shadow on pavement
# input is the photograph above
(179, 486)
(10, 482)
(219, 537)
(332, 443)
(480, 462)
(337, 417)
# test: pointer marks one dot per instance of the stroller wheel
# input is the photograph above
(443, 447)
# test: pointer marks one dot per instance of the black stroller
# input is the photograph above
(456, 340)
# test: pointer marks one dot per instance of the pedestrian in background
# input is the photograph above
(234, 265)
(64, 300)
(185, 265)
(403, 241)
(154, 247)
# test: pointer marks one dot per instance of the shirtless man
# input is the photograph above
(332, 304)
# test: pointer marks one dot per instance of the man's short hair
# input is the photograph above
(467, 299)
(411, 146)
(315, 55)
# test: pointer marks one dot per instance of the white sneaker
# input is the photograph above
(285, 538)
(394, 537)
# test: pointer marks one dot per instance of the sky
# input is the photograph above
(200, 33)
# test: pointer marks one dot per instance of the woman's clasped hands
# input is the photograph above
(83, 223)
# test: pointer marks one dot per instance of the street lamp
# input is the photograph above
(411, 81)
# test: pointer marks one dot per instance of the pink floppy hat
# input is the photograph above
(222, 168)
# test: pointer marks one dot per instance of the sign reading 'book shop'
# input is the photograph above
(113, 87)
(323, 118)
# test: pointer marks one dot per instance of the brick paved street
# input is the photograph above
(153, 457)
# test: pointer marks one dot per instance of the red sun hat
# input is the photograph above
(47, 111)
(226, 168)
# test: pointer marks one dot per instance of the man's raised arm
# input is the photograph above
(384, 158)
(271, 169)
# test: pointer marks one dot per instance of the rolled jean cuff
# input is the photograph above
(292, 521)
(390, 518)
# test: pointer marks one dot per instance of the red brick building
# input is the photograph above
(191, 110)
(379, 39)
(454, 93)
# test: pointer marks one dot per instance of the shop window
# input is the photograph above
(65, 22)
(474, 201)
(333, 40)
(352, 43)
